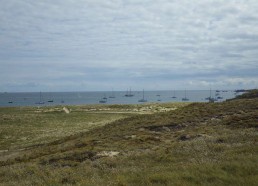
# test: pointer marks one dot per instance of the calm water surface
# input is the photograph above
(80, 98)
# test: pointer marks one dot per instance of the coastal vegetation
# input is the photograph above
(148, 144)
(251, 94)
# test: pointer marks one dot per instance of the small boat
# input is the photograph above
(185, 98)
(129, 94)
(50, 100)
(40, 103)
(10, 99)
(142, 100)
(174, 96)
(40, 100)
(105, 98)
(211, 99)
(158, 98)
(102, 101)
(113, 95)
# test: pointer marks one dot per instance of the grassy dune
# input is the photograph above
(28, 126)
(21, 127)
(198, 144)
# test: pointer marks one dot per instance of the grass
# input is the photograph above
(251, 94)
(21, 127)
(196, 144)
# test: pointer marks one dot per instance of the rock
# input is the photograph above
(133, 136)
(185, 137)
(166, 129)
(130, 137)
(108, 153)
(141, 129)
(67, 111)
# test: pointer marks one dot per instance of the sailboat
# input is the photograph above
(40, 100)
(50, 100)
(129, 94)
(104, 99)
(10, 101)
(185, 98)
(174, 96)
(142, 100)
(159, 97)
(211, 99)
(113, 95)
(217, 96)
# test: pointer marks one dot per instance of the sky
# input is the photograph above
(95, 45)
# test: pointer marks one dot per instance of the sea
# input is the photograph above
(14, 99)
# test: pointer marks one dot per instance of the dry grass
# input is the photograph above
(22, 127)
(200, 144)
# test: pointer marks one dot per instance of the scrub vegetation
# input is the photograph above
(149, 144)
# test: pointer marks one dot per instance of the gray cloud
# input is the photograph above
(68, 43)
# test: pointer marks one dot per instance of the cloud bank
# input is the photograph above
(67, 45)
